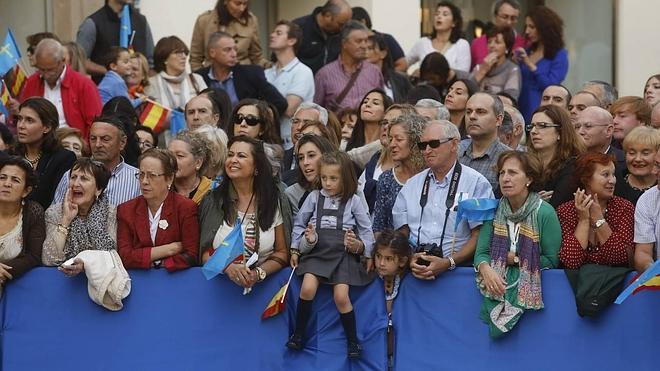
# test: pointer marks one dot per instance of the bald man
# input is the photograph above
(75, 96)
(580, 101)
(595, 127)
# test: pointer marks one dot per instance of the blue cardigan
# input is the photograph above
(548, 72)
(114, 85)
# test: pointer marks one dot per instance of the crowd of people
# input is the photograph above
(329, 156)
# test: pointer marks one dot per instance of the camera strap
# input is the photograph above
(449, 203)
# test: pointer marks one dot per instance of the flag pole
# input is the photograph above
(287, 285)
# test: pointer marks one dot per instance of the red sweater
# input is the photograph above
(614, 252)
(80, 98)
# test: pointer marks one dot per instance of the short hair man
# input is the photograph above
(647, 223)
(106, 140)
(557, 95)
(75, 96)
(432, 109)
(518, 130)
(321, 43)
(337, 87)
(580, 101)
(595, 126)
(505, 14)
(292, 78)
(238, 80)
(605, 92)
(483, 116)
(201, 110)
(394, 50)
(306, 112)
(432, 224)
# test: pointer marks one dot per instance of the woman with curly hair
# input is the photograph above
(545, 63)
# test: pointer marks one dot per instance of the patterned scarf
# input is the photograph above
(529, 281)
(90, 233)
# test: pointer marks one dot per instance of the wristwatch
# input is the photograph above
(452, 263)
(599, 223)
(516, 259)
(261, 273)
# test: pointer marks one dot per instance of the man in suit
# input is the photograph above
(595, 126)
(239, 81)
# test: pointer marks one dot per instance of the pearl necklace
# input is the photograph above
(35, 161)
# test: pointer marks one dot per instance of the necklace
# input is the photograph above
(33, 162)
(395, 289)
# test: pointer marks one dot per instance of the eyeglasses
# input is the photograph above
(435, 143)
(150, 176)
(541, 125)
(249, 119)
(145, 144)
(296, 121)
(587, 125)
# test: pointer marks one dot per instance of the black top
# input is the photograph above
(563, 184)
(400, 86)
(51, 167)
(317, 48)
(289, 175)
(623, 189)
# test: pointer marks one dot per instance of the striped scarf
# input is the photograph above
(529, 282)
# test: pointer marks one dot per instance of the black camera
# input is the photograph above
(429, 249)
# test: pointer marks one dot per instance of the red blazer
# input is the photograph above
(134, 241)
(80, 98)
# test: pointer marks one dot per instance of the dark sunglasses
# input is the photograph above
(250, 120)
(435, 143)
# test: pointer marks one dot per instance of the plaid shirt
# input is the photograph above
(484, 164)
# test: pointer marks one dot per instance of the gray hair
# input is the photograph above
(275, 155)
(217, 140)
(199, 147)
(497, 106)
(323, 113)
(215, 37)
(50, 47)
(507, 124)
(351, 26)
(498, 4)
(448, 128)
(443, 112)
(610, 94)
(414, 126)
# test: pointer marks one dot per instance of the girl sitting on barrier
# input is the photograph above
(391, 258)
(332, 231)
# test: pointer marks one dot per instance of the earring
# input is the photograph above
(558, 139)
(256, 172)
(527, 185)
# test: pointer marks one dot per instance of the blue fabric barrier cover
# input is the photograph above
(177, 321)
(437, 327)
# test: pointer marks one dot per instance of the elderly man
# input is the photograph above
(306, 112)
(647, 224)
(557, 95)
(107, 139)
(425, 207)
(292, 78)
(580, 101)
(201, 110)
(238, 80)
(75, 96)
(320, 43)
(505, 14)
(595, 126)
(343, 83)
(431, 109)
(483, 116)
(605, 92)
(518, 131)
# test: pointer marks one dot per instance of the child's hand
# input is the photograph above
(370, 265)
(294, 260)
(352, 242)
(310, 234)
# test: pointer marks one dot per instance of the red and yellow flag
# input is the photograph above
(20, 78)
(276, 304)
(154, 116)
(652, 284)
(4, 98)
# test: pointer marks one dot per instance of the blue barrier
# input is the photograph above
(181, 321)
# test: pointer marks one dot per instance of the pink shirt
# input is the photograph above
(479, 48)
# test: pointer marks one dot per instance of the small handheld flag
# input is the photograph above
(154, 116)
(648, 278)
(125, 27)
(9, 53)
(19, 81)
(4, 99)
(228, 250)
(476, 209)
(277, 303)
(177, 122)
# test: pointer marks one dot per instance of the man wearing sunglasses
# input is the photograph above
(434, 223)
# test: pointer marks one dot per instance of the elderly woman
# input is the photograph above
(545, 63)
(158, 228)
(498, 73)
(404, 134)
(513, 248)
(71, 139)
(234, 18)
(139, 77)
(552, 137)
(191, 152)
(597, 226)
(37, 121)
(309, 150)
(629, 112)
(652, 90)
(640, 147)
(457, 96)
(251, 118)
(84, 221)
(22, 226)
(172, 86)
(217, 152)
(249, 193)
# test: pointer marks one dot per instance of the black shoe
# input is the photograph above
(295, 342)
(354, 349)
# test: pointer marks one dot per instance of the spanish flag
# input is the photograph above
(652, 284)
(19, 81)
(277, 303)
(154, 116)
(648, 280)
(4, 98)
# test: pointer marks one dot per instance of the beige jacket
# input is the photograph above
(246, 36)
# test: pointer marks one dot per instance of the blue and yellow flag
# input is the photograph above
(9, 53)
(125, 27)
(476, 209)
(230, 249)
(177, 122)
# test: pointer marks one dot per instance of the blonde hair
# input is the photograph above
(644, 135)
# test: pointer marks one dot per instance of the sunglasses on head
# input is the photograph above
(249, 119)
(435, 143)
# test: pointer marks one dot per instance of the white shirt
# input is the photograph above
(54, 95)
(458, 54)
(153, 223)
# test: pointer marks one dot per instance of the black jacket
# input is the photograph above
(316, 49)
